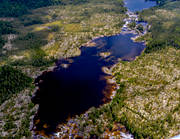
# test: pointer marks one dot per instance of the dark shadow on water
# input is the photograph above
(66, 92)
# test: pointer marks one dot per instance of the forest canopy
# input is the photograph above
(12, 81)
(15, 8)
(164, 31)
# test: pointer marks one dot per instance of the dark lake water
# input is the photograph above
(69, 91)
(66, 92)
(138, 5)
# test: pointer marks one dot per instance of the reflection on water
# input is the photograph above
(138, 5)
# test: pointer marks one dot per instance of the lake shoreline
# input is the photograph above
(112, 80)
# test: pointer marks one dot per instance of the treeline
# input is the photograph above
(15, 8)
(2, 42)
(12, 81)
(162, 2)
(5, 28)
(162, 35)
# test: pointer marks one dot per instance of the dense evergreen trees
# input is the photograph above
(2, 42)
(164, 31)
(162, 2)
(14, 8)
(12, 81)
(5, 28)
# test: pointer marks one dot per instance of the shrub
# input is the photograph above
(6, 28)
(9, 125)
(140, 28)
(2, 42)
(38, 58)
(132, 25)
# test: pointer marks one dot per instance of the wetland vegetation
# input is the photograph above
(33, 38)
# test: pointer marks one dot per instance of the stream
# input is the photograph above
(79, 83)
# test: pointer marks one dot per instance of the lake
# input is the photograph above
(79, 83)
(138, 5)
